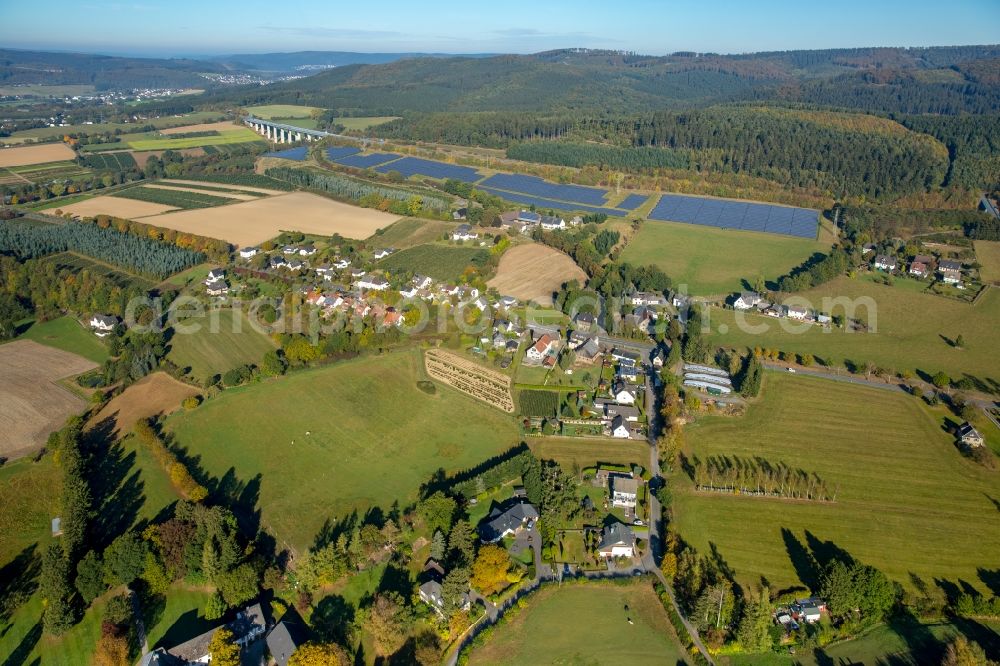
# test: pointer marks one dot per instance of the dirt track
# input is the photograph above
(532, 272)
(32, 403)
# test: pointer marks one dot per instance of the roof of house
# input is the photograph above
(749, 297)
(968, 430)
(620, 386)
(923, 259)
(528, 216)
(197, 647)
(613, 410)
(624, 484)
(463, 229)
(431, 589)
(107, 320)
(585, 317)
(617, 534)
(885, 260)
(542, 343)
(284, 638)
(552, 220)
(500, 521)
(949, 265)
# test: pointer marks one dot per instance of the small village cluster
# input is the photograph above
(751, 300)
(921, 266)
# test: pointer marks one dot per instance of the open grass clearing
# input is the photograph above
(716, 261)
(271, 111)
(585, 623)
(34, 404)
(29, 499)
(532, 272)
(907, 501)
(576, 453)
(441, 262)
(23, 155)
(411, 231)
(253, 222)
(67, 334)
(222, 126)
(913, 330)
(229, 136)
(988, 255)
(222, 340)
(348, 436)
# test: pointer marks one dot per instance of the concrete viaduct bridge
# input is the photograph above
(279, 133)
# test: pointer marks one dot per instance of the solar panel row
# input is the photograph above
(296, 154)
(545, 204)
(736, 215)
(534, 186)
(366, 161)
(633, 201)
(337, 152)
(409, 166)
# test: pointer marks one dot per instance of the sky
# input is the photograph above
(211, 27)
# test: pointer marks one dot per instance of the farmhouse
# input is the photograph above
(541, 349)
(969, 436)
(624, 490)
(551, 223)
(617, 540)
(884, 262)
(248, 626)
(103, 324)
(249, 252)
(464, 232)
(502, 523)
(747, 300)
(284, 639)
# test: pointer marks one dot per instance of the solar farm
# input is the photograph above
(366, 161)
(337, 152)
(633, 201)
(294, 154)
(410, 166)
(746, 216)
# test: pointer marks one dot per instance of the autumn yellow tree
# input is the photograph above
(490, 570)
(112, 650)
(319, 654)
(223, 649)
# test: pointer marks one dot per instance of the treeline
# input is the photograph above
(141, 255)
(490, 130)
(610, 157)
(400, 202)
(212, 248)
(757, 476)
(178, 473)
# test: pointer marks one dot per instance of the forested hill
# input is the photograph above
(947, 80)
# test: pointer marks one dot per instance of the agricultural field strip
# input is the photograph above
(470, 378)
(211, 185)
(244, 196)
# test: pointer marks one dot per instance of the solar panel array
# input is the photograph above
(747, 216)
(546, 204)
(296, 154)
(592, 196)
(337, 152)
(366, 161)
(633, 201)
(409, 166)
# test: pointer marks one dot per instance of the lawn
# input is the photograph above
(411, 231)
(585, 624)
(271, 111)
(578, 453)
(907, 501)
(180, 618)
(224, 340)
(441, 262)
(716, 261)
(322, 442)
(67, 334)
(239, 135)
(988, 254)
(910, 331)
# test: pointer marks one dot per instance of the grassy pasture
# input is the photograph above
(585, 624)
(66, 334)
(908, 336)
(716, 261)
(411, 231)
(578, 452)
(225, 340)
(364, 123)
(273, 111)
(906, 500)
(238, 135)
(363, 418)
(441, 262)
(988, 254)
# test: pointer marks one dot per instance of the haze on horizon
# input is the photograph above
(189, 28)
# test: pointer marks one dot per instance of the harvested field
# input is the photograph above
(253, 222)
(154, 395)
(219, 193)
(107, 205)
(33, 403)
(50, 152)
(532, 272)
(201, 127)
(470, 378)
(142, 156)
(206, 184)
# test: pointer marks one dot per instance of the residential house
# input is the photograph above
(499, 341)
(277, 261)
(217, 289)
(624, 393)
(617, 540)
(624, 356)
(808, 610)
(613, 410)
(422, 281)
(284, 638)
(342, 263)
(657, 358)
(504, 522)
(392, 317)
(307, 251)
(747, 300)
(289, 249)
(409, 292)
(823, 318)
(950, 271)
(969, 436)
(358, 273)
(925, 259)
(919, 269)
(373, 282)
(624, 490)
(215, 275)
(797, 312)
(249, 252)
(103, 324)
(508, 301)
(528, 217)
(249, 625)
(884, 262)
(628, 371)
(619, 428)
(464, 232)
(576, 221)
(384, 252)
(679, 300)
(460, 214)
(653, 298)
(541, 349)
(551, 223)
(584, 321)
(295, 265)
